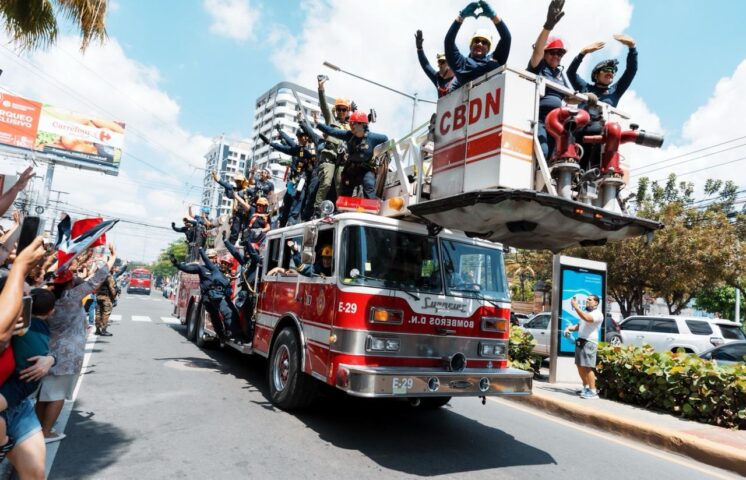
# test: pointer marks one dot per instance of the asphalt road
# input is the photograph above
(153, 406)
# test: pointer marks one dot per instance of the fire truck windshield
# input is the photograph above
(474, 270)
(378, 257)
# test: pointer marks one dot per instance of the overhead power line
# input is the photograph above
(638, 173)
(686, 154)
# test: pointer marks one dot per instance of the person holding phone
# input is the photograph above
(586, 345)
(31, 354)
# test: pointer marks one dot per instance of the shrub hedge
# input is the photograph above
(519, 350)
(678, 383)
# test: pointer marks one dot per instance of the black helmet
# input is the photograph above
(300, 133)
(610, 63)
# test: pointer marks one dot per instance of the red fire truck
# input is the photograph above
(140, 281)
(416, 304)
(403, 313)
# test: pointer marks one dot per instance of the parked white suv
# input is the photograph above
(669, 333)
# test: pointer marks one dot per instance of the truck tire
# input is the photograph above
(191, 322)
(431, 403)
(199, 337)
(289, 387)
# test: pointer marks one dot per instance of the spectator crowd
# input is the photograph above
(50, 302)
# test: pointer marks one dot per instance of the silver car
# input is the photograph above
(727, 354)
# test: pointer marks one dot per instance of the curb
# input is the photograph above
(705, 451)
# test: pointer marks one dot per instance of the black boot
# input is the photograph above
(105, 333)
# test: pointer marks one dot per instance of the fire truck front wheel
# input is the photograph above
(289, 387)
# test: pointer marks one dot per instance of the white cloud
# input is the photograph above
(107, 83)
(233, 19)
(715, 122)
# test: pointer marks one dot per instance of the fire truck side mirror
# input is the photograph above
(308, 251)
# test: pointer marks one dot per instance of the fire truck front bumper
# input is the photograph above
(364, 381)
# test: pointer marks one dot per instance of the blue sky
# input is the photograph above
(181, 72)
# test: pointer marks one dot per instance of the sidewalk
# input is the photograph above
(716, 446)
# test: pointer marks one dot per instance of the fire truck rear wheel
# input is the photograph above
(431, 403)
(199, 337)
(191, 322)
(289, 387)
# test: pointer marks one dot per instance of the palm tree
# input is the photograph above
(32, 24)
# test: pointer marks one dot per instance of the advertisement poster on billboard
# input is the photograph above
(81, 138)
(578, 278)
(61, 136)
(19, 120)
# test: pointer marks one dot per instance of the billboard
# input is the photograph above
(19, 120)
(60, 135)
(573, 278)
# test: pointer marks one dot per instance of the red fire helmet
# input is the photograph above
(554, 43)
(359, 117)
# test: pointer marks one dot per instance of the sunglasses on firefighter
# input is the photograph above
(441, 62)
(482, 41)
(556, 53)
(608, 70)
(341, 109)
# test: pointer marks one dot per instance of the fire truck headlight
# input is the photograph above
(495, 324)
(492, 350)
(382, 344)
(392, 344)
(386, 315)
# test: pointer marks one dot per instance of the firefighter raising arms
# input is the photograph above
(479, 61)
(361, 142)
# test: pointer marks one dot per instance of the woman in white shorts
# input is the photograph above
(67, 328)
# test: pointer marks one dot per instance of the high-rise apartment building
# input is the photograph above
(226, 157)
(279, 106)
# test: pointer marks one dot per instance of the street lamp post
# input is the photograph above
(412, 97)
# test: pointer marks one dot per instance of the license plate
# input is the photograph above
(401, 385)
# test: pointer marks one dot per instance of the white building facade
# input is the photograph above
(227, 158)
(280, 106)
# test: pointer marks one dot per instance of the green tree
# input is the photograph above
(33, 24)
(721, 300)
(523, 268)
(163, 267)
(697, 248)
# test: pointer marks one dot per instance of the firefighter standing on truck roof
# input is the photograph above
(545, 62)
(443, 78)
(257, 226)
(332, 155)
(240, 214)
(215, 289)
(300, 171)
(478, 62)
(264, 187)
(360, 167)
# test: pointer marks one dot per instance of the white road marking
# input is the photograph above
(171, 320)
(650, 450)
(116, 318)
(141, 318)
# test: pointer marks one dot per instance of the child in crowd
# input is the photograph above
(27, 348)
